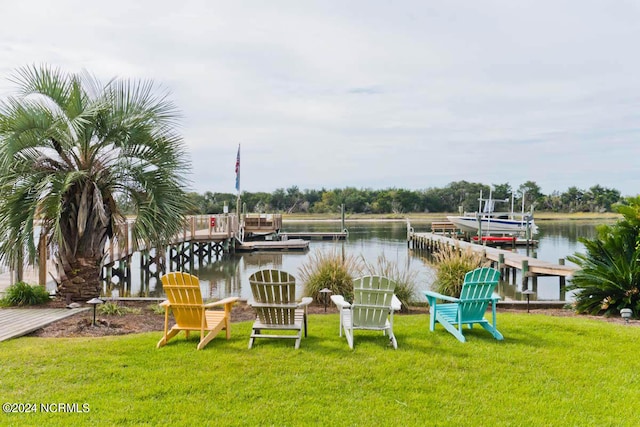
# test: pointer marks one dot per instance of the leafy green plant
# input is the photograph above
(329, 270)
(112, 308)
(450, 265)
(405, 278)
(21, 293)
(156, 308)
(609, 276)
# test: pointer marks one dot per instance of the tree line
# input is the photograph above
(455, 196)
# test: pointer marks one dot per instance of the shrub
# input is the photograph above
(20, 294)
(609, 276)
(405, 279)
(156, 308)
(112, 308)
(450, 265)
(329, 270)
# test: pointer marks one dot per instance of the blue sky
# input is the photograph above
(370, 94)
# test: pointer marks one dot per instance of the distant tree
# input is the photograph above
(573, 199)
(502, 191)
(532, 194)
(601, 198)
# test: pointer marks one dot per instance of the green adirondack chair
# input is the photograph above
(470, 308)
(373, 305)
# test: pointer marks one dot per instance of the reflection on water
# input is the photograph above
(369, 240)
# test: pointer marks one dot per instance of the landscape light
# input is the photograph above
(626, 314)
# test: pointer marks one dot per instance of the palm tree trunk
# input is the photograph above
(81, 281)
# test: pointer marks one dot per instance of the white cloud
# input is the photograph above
(372, 94)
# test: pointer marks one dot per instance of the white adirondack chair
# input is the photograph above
(276, 309)
(372, 309)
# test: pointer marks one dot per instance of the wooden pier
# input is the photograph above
(504, 260)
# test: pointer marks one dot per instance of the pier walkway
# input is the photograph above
(500, 258)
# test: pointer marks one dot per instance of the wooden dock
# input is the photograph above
(16, 322)
(502, 259)
(273, 245)
(314, 235)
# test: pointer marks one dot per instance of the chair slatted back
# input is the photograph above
(372, 296)
(274, 292)
(478, 286)
(183, 292)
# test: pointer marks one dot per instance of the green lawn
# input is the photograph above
(547, 371)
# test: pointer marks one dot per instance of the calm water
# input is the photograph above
(370, 240)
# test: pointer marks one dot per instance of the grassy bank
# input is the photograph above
(547, 371)
(428, 217)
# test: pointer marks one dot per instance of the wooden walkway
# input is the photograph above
(505, 257)
(504, 260)
(16, 322)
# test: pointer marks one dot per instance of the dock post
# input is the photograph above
(525, 275)
(563, 282)
(501, 265)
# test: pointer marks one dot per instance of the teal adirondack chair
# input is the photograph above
(470, 308)
(373, 305)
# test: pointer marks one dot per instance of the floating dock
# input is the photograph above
(273, 245)
(314, 235)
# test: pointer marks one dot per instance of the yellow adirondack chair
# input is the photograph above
(276, 309)
(184, 299)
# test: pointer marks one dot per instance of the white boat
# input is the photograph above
(488, 222)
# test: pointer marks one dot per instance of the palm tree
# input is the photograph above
(69, 148)
(609, 275)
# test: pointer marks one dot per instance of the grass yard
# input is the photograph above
(548, 371)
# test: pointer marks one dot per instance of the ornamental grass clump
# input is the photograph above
(20, 294)
(329, 270)
(450, 265)
(405, 279)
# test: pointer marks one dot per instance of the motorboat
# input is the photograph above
(487, 221)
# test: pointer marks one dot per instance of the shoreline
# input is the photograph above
(430, 217)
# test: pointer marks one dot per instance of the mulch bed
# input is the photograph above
(147, 320)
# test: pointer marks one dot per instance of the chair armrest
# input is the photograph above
(228, 300)
(396, 304)
(440, 296)
(339, 301)
(305, 302)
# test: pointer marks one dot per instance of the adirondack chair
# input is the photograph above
(470, 308)
(274, 294)
(373, 305)
(184, 299)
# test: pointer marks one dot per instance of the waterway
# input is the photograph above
(368, 240)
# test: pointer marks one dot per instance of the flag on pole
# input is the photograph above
(238, 169)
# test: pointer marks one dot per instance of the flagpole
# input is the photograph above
(238, 184)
